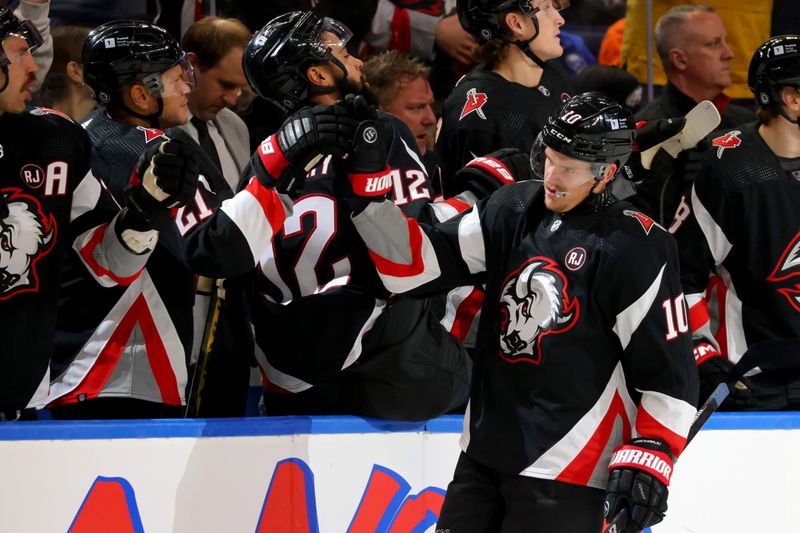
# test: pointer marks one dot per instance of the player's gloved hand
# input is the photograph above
(484, 175)
(637, 484)
(713, 371)
(690, 162)
(306, 137)
(368, 172)
(165, 177)
(649, 134)
(321, 130)
(762, 392)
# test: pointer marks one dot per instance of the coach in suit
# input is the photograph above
(215, 47)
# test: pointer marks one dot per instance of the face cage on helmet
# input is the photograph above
(26, 31)
(538, 158)
(155, 82)
(341, 33)
(528, 7)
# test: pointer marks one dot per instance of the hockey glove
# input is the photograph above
(637, 484)
(712, 371)
(484, 175)
(305, 138)
(165, 177)
(690, 162)
(368, 172)
(314, 132)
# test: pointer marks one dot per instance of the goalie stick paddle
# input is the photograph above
(768, 355)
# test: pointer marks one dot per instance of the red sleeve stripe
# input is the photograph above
(417, 266)
(100, 272)
(666, 418)
(698, 312)
(244, 208)
(465, 314)
(270, 203)
(459, 205)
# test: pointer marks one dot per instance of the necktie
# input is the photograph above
(205, 141)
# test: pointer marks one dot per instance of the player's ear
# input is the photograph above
(790, 98)
(319, 76)
(515, 23)
(608, 174)
(138, 95)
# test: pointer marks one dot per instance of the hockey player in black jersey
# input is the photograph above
(126, 354)
(331, 338)
(741, 221)
(506, 100)
(50, 207)
(583, 358)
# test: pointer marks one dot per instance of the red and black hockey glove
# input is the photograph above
(368, 173)
(165, 177)
(637, 484)
(484, 175)
(306, 137)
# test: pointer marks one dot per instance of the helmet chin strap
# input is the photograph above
(342, 85)
(524, 44)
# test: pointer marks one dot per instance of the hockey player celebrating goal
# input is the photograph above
(583, 360)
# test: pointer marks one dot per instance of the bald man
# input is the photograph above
(691, 41)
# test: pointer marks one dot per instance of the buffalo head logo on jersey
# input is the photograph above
(534, 303)
(26, 235)
(786, 274)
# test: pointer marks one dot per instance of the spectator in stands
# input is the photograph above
(399, 82)
(691, 41)
(64, 89)
(611, 45)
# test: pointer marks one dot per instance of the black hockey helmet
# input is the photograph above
(590, 127)
(276, 58)
(11, 25)
(483, 19)
(775, 65)
(124, 52)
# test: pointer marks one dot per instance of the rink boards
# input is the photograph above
(338, 474)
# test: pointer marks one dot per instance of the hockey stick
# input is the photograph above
(194, 395)
(768, 355)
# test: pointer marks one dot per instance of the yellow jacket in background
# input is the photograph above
(747, 22)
